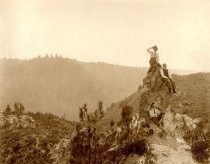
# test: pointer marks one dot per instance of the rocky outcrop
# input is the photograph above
(169, 140)
(177, 125)
(166, 154)
(155, 90)
(60, 153)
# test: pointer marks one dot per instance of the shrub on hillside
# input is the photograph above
(208, 136)
(137, 147)
(19, 108)
(28, 144)
(91, 117)
(7, 111)
(199, 150)
(126, 115)
(86, 145)
(17, 146)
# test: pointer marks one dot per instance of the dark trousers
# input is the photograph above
(173, 85)
(157, 119)
(153, 65)
(168, 83)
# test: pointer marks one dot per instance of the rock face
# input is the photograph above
(135, 159)
(176, 125)
(166, 155)
(155, 89)
(171, 148)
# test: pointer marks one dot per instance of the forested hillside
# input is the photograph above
(60, 85)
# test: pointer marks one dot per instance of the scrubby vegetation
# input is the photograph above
(136, 147)
(199, 141)
(18, 109)
(85, 146)
(91, 145)
(200, 151)
(24, 146)
(28, 137)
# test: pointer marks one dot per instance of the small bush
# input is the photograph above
(138, 147)
(151, 158)
(208, 136)
(151, 131)
(7, 111)
(126, 114)
(200, 151)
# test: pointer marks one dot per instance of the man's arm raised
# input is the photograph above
(153, 47)
(149, 50)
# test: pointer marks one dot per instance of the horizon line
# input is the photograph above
(56, 56)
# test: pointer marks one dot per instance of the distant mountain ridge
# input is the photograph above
(60, 85)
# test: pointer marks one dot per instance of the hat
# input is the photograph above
(155, 48)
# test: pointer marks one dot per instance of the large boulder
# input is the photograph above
(177, 125)
(155, 89)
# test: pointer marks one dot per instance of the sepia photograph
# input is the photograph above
(104, 82)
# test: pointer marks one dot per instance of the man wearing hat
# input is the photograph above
(154, 58)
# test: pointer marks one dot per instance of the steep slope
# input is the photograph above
(169, 140)
(192, 98)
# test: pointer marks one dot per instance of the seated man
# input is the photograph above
(155, 114)
(166, 73)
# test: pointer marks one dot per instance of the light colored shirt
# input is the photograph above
(162, 74)
(154, 112)
(153, 54)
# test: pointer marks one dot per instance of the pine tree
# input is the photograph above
(100, 109)
(7, 111)
(81, 114)
(126, 115)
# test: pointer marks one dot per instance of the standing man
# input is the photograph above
(153, 53)
(154, 59)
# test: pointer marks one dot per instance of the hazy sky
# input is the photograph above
(113, 31)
